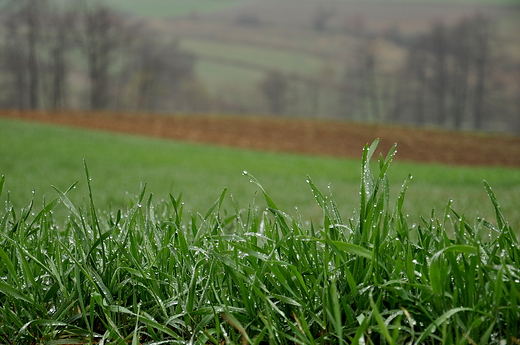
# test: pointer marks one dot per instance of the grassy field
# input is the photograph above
(35, 156)
(161, 8)
(284, 40)
(267, 58)
(153, 274)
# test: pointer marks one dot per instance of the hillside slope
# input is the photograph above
(329, 138)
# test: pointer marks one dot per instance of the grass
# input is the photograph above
(220, 76)
(36, 156)
(268, 58)
(161, 8)
(150, 273)
(234, 84)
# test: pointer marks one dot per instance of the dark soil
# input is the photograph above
(312, 137)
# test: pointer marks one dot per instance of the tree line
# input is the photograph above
(89, 56)
(448, 75)
(452, 77)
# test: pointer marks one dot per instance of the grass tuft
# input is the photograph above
(151, 274)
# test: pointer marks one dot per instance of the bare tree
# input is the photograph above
(439, 83)
(274, 88)
(14, 64)
(59, 26)
(100, 37)
(482, 33)
(31, 14)
(461, 52)
(22, 45)
(363, 76)
(348, 97)
(158, 74)
(321, 17)
(417, 67)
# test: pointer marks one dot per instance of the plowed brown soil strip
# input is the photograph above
(332, 138)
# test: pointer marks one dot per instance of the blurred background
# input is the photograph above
(448, 64)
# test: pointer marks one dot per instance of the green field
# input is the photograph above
(267, 58)
(154, 274)
(162, 8)
(35, 157)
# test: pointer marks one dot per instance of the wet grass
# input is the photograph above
(151, 273)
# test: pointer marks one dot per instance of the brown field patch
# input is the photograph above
(312, 137)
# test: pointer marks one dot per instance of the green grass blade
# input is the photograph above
(16, 293)
(2, 184)
(437, 271)
(498, 211)
(381, 322)
(270, 202)
(352, 249)
(66, 201)
(438, 322)
(10, 267)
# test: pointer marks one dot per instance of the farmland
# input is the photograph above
(238, 46)
(331, 59)
(163, 270)
(285, 28)
(201, 173)
(147, 200)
